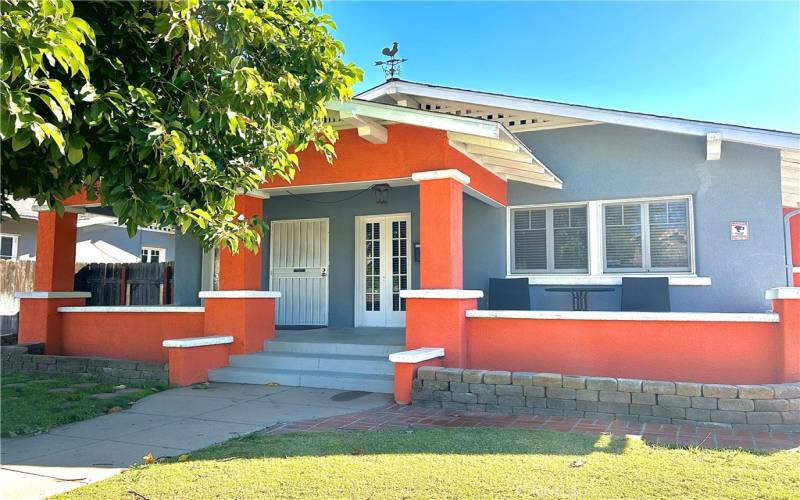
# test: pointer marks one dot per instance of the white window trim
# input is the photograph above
(596, 274)
(162, 253)
(549, 237)
(14, 245)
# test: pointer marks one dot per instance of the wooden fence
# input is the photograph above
(139, 284)
(110, 284)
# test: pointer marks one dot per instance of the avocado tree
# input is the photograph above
(164, 110)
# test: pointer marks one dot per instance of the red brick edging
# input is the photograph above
(400, 417)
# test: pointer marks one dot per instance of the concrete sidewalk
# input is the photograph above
(169, 423)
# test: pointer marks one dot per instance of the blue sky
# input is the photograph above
(730, 62)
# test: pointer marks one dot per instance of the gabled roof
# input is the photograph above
(486, 142)
(564, 114)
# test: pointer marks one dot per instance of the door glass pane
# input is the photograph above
(399, 264)
(372, 269)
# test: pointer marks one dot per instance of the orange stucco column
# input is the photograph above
(786, 302)
(55, 252)
(242, 270)
(441, 199)
(246, 315)
(54, 280)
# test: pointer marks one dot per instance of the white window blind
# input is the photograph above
(650, 236)
(552, 239)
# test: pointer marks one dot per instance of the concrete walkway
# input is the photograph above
(169, 423)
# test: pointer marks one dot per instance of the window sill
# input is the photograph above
(674, 280)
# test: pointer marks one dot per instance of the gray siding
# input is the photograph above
(188, 269)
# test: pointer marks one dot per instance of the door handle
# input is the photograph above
(324, 271)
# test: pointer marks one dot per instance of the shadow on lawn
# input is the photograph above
(472, 441)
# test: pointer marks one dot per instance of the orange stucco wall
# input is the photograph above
(408, 149)
(124, 335)
(709, 352)
(190, 365)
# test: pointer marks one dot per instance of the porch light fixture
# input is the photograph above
(381, 193)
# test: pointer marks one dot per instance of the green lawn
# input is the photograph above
(455, 463)
(35, 403)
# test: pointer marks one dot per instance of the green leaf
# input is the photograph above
(55, 134)
(74, 155)
(53, 105)
(20, 141)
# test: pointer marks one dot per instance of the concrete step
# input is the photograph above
(331, 348)
(369, 365)
(302, 378)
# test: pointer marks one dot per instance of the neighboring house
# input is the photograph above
(99, 239)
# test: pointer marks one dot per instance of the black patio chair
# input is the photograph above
(509, 294)
(645, 294)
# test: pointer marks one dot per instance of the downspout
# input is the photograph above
(787, 240)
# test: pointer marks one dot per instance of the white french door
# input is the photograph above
(298, 268)
(383, 268)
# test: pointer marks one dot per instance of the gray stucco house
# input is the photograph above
(589, 196)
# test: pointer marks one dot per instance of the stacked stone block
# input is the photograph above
(772, 407)
(19, 358)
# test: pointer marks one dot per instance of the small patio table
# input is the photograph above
(579, 294)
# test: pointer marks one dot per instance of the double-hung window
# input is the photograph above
(649, 236)
(550, 240)
(153, 254)
(8, 246)
(603, 238)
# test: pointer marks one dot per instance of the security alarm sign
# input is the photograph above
(740, 230)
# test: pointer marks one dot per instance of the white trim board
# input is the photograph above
(53, 295)
(733, 133)
(785, 292)
(441, 293)
(554, 279)
(417, 355)
(239, 294)
(132, 309)
(629, 316)
(198, 341)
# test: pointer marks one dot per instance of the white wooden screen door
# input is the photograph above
(383, 268)
(298, 268)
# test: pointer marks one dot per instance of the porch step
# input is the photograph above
(304, 378)
(368, 365)
(326, 348)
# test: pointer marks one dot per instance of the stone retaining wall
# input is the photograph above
(25, 358)
(752, 407)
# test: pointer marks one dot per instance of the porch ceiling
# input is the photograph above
(488, 143)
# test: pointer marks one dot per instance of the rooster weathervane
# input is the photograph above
(391, 66)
